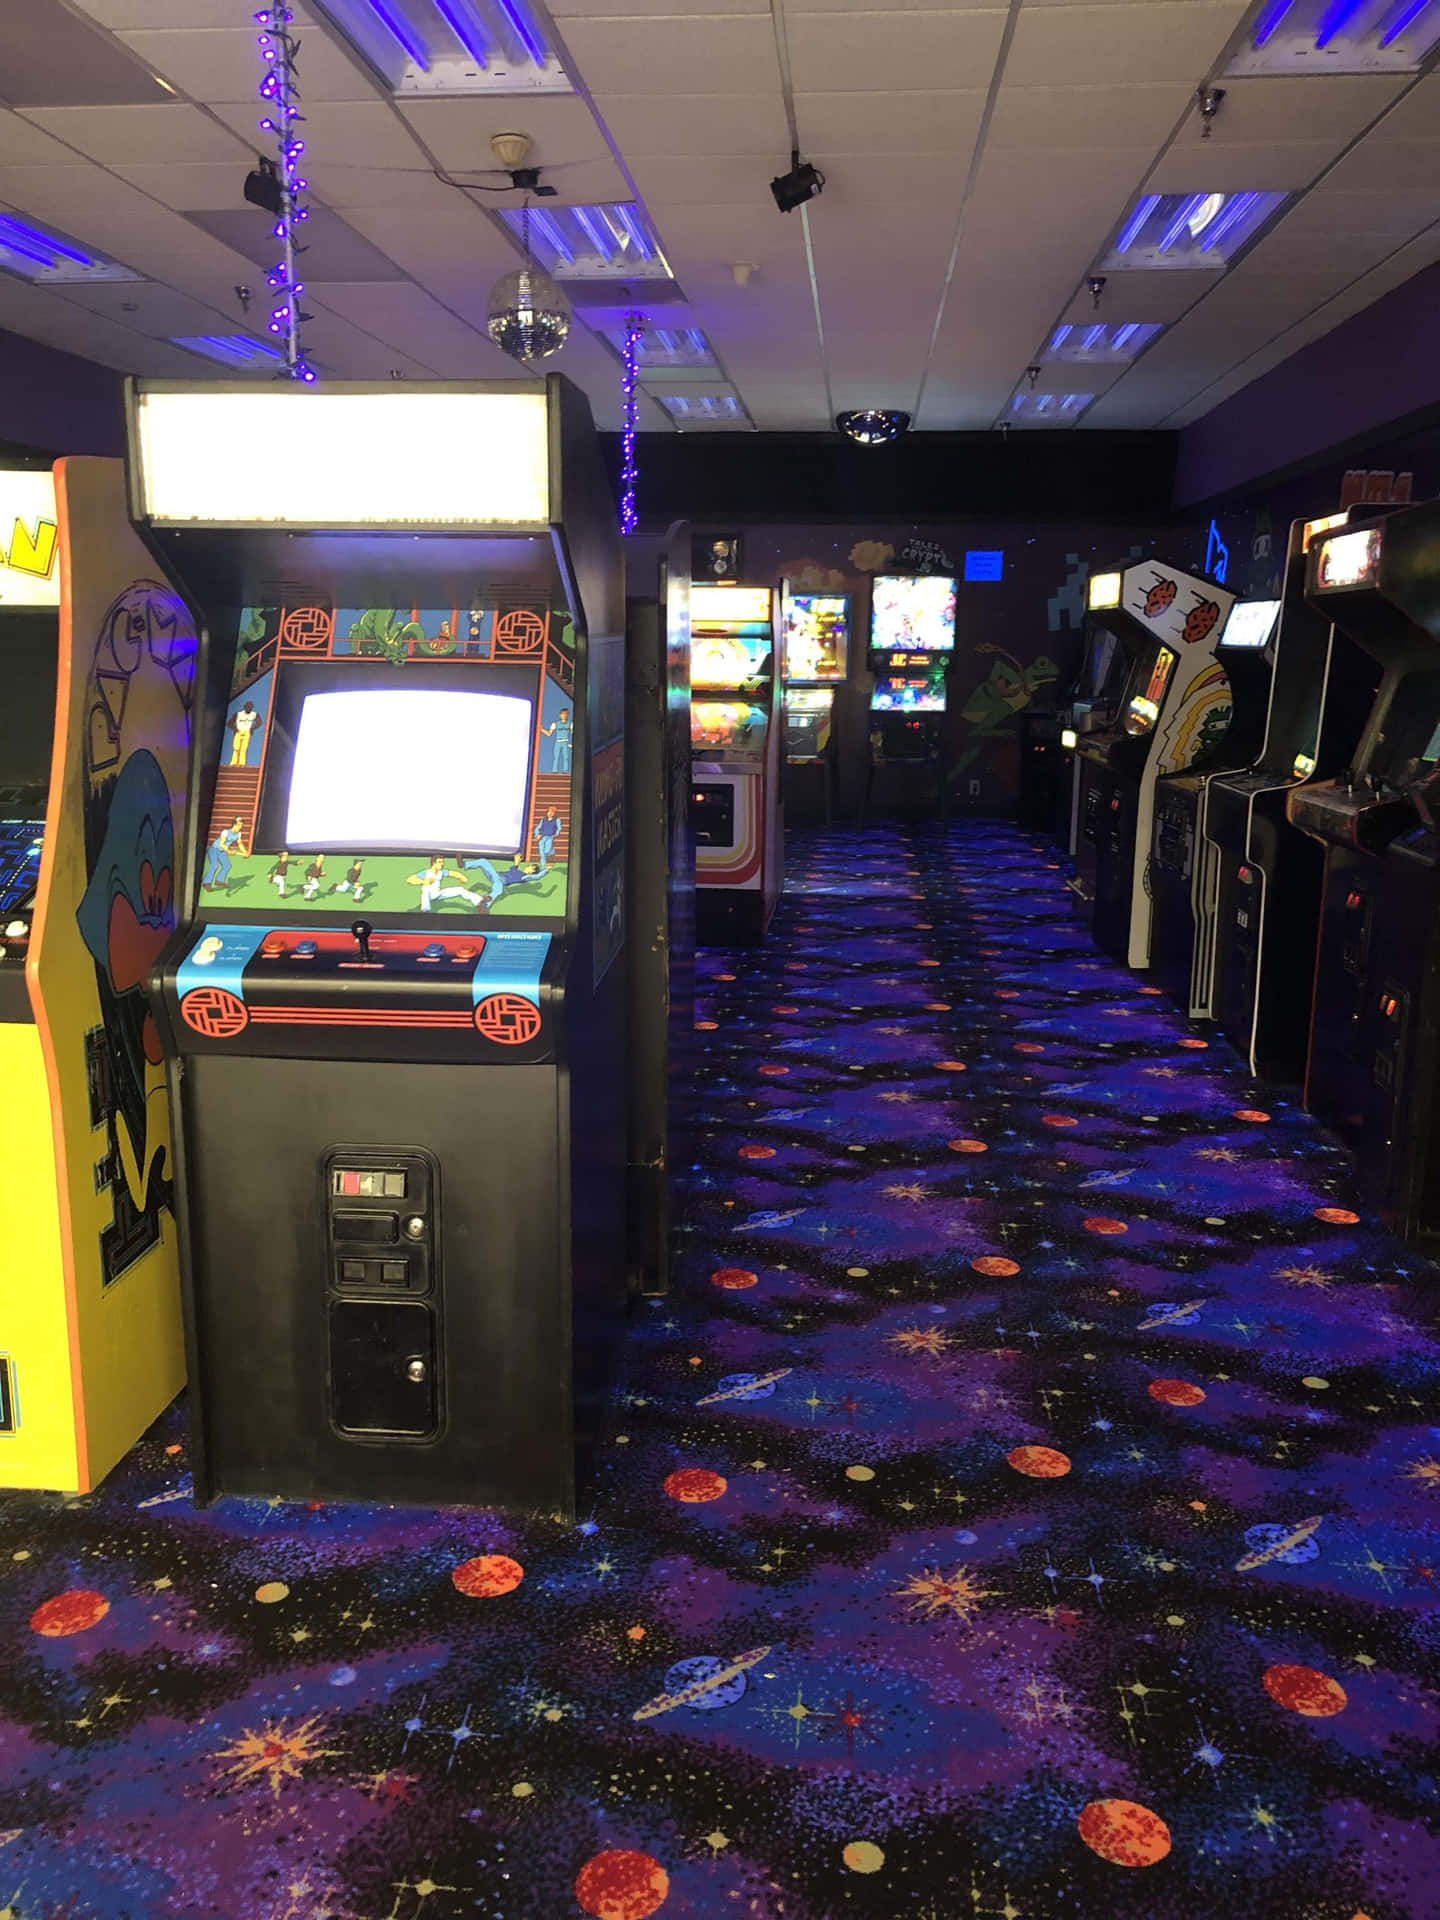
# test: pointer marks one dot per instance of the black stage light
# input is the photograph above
(793, 189)
(872, 426)
(262, 187)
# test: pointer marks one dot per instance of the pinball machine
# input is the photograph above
(394, 1010)
(1373, 1073)
(1269, 874)
(1175, 704)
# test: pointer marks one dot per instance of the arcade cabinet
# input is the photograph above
(735, 734)
(660, 882)
(814, 659)
(1269, 873)
(1184, 866)
(1374, 1066)
(394, 1011)
(912, 639)
(97, 662)
(1175, 705)
(1046, 764)
(1089, 704)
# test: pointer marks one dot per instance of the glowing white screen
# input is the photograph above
(390, 770)
(301, 456)
(1250, 623)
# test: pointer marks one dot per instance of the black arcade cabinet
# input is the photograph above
(1184, 867)
(395, 1007)
(1374, 1066)
(1269, 874)
(1090, 701)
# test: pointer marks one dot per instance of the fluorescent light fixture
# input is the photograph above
(663, 348)
(207, 457)
(704, 409)
(1101, 344)
(1204, 229)
(29, 573)
(1145, 206)
(230, 349)
(1104, 591)
(440, 48)
(610, 241)
(1049, 406)
(1338, 36)
(46, 258)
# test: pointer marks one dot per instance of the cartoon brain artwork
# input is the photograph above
(1199, 621)
(1160, 596)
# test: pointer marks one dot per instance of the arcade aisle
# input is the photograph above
(1029, 1508)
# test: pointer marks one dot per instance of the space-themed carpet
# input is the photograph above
(1026, 1506)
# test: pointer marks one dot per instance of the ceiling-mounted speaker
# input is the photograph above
(510, 149)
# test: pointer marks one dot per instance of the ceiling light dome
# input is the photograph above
(872, 426)
(528, 315)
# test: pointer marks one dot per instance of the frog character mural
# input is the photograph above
(992, 706)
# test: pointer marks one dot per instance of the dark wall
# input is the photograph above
(54, 403)
(1013, 634)
(935, 478)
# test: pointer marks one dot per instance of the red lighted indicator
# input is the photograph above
(1245, 876)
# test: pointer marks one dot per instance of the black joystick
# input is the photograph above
(362, 930)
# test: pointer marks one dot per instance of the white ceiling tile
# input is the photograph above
(1322, 106)
(1157, 295)
(1077, 117)
(1416, 116)
(457, 132)
(1406, 164)
(149, 308)
(381, 188)
(868, 124)
(358, 133)
(23, 144)
(460, 237)
(1056, 46)
(697, 123)
(124, 15)
(685, 182)
(690, 53)
(1222, 167)
(1307, 253)
(138, 134)
(222, 65)
(196, 184)
(1329, 211)
(881, 52)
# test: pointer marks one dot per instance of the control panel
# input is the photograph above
(366, 991)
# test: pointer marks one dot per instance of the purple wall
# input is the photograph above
(55, 403)
(1376, 367)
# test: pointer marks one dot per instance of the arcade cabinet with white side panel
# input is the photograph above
(661, 883)
(1184, 868)
(1269, 873)
(1176, 704)
(814, 660)
(912, 641)
(735, 736)
(97, 665)
(1374, 1066)
(395, 1009)
(1092, 704)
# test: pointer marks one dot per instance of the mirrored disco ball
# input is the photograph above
(528, 315)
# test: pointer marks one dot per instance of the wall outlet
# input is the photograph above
(974, 789)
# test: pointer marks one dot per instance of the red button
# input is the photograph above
(350, 1183)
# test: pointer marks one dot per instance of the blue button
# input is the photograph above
(306, 949)
(434, 951)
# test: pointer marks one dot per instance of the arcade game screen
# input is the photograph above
(1144, 710)
(727, 726)
(922, 692)
(740, 658)
(393, 770)
(1250, 623)
(808, 712)
(816, 636)
(914, 613)
(1099, 659)
(20, 842)
(1349, 559)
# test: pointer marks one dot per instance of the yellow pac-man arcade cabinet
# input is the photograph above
(97, 661)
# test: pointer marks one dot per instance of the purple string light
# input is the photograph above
(629, 473)
(280, 91)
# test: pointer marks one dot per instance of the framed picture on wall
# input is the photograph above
(715, 559)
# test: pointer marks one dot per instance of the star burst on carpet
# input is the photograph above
(932, 1340)
(914, 1190)
(1305, 1276)
(275, 1752)
(1425, 1472)
(933, 1594)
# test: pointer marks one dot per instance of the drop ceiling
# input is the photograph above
(981, 162)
